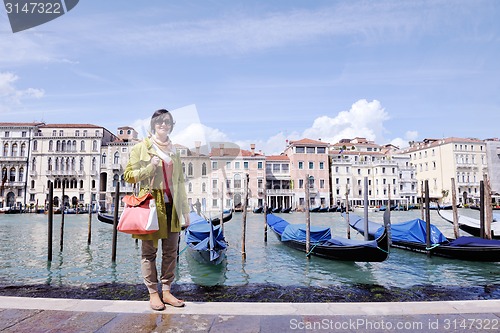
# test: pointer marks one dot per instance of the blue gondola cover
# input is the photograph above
(413, 231)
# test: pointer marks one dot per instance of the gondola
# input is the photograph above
(323, 245)
(106, 218)
(205, 242)
(411, 235)
(228, 215)
(258, 210)
(471, 225)
(286, 210)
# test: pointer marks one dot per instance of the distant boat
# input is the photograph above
(227, 216)
(472, 225)
(287, 210)
(411, 235)
(323, 245)
(106, 218)
(315, 209)
(205, 241)
(258, 210)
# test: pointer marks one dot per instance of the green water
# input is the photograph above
(23, 257)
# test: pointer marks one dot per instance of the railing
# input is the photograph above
(278, 191)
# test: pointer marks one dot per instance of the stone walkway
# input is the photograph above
(20, 314)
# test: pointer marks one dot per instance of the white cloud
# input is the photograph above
(11, 96)
(364, 119)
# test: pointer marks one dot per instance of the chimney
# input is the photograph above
(221, 150)
(252, 148)
(197, 145)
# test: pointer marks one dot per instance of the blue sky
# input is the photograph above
(263, 71)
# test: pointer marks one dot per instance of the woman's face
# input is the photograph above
(163, 125)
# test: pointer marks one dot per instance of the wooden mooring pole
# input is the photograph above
(456, 230)
(115, 221)
(50, 222)
(265, 214)
(347, 212)
(427, 219)
(488, 209)
(365, 199)
(89, 234)
(481, 208)
(61, 243)
(244, 234)
(308, 216)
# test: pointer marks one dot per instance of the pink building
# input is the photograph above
(309, 158)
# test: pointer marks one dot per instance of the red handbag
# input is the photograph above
(139, 216)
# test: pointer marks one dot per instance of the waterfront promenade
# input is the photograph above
(22, 314)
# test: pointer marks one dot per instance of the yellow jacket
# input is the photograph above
(140, 170)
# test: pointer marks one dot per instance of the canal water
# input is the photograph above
(23, 257)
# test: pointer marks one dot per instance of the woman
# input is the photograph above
(154, 160)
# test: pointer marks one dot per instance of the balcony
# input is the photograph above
(278, 191)
(14, 158)
(33, 173)
(116, 166)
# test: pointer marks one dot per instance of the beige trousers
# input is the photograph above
(168, 262)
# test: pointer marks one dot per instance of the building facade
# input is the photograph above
(15, 142)
(439, 160)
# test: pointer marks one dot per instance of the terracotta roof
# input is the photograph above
(429, 143)
(306, 141)
(215, 152)
(21, 124)
(277, 158)
(70, 126)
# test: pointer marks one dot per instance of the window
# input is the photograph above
(14, 150)
(7, 134)
(321, 183)
(214, 184)
(311, 165)
(321, 165)
(54, 132)
(84, 132)
(94, 145)
(82, 145)
(321, 150)
(310, 150)
(190, 169)
(35, 145)
(97, 133)
(116, 158)
(259, 165)
(204, 169)
(103, 158)
(245, 165)
(301, 165)
(285, 168)
(301, 183)
(77, 133)
(237, 181)
(81, 163)
(214, 165)
(236, 165)
(94, 164)
(228, 165)
(300, 150)
(21, 174)
(12, 175)
(276, 167)
(203, 187)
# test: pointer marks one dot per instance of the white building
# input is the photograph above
(15, 142)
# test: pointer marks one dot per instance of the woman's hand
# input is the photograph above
(187, 221)
(155, 161)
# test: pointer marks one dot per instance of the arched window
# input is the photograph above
(204, 169)
(50, 163)
(35, 145)
(94, 145)
(33, 164)
(93, 183)
(23, 150)
(237, 181)
(63, 145)
(6, 149)
(116, 178)
(81, 183)
(190, 186)
(32, 184)
(4, 174)
(68, 164)
(190, 169)
(69, 148)
(81, 163)
(122, 181)
(21, 174)
(82, 145)
(14, 150)
(183, 168)
(57, 163)
(203, 187)
(74, 145)
(116, 158)
(94, 164)
(103, 159)
(73, 164)
(12, 176)
(51, 145)
(58, 145)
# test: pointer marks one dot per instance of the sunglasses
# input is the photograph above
(165, 121)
